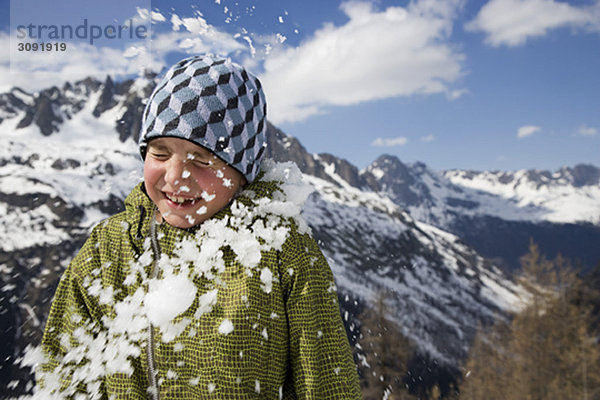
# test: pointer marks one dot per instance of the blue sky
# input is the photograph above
(470, 84)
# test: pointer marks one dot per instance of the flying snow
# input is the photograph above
(255, 225)
(168, 297)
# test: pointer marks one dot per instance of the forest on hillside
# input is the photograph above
(548, 350)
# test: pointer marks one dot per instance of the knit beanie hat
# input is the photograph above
(213, 103)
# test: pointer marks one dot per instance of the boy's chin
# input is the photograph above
(182, 221)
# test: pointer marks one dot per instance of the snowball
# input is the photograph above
(146, 258)
(167, 298)
(266, 277)
(226, 327)
(106, 295)
(247, 247)
(206, 302)
(129, 316)
(172, 330)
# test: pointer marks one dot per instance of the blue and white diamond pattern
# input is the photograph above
(214, 103)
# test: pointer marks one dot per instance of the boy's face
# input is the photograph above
(188, 183)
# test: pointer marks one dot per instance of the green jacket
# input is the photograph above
(272, 329)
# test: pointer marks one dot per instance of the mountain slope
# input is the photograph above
(440, 289)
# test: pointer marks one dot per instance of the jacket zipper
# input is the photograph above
(150, 343)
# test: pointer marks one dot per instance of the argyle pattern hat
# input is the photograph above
(214, 103)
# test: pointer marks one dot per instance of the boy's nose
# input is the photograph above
(175, 174)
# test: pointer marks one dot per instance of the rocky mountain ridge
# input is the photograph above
(497, 213)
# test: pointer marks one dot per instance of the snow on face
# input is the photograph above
(201, 210)
(181, 177)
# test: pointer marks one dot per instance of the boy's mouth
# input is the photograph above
(180, 200)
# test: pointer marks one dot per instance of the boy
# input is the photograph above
(209, 284)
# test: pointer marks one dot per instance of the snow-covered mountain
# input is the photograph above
(569, 195)
(498, 213)
(69, 159)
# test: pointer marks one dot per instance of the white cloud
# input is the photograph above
(456, 94)
(585, 130)
(154, 16)
(513, 22)
(527, 130)
(392, 142)
(186, 35)
(375, 55)
(33, 71)
(40, 70)
(428, 138)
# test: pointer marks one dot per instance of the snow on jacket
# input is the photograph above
(242, 306)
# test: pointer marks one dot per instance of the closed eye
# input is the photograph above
(203, 163)
(159, 155)
(198, 160)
